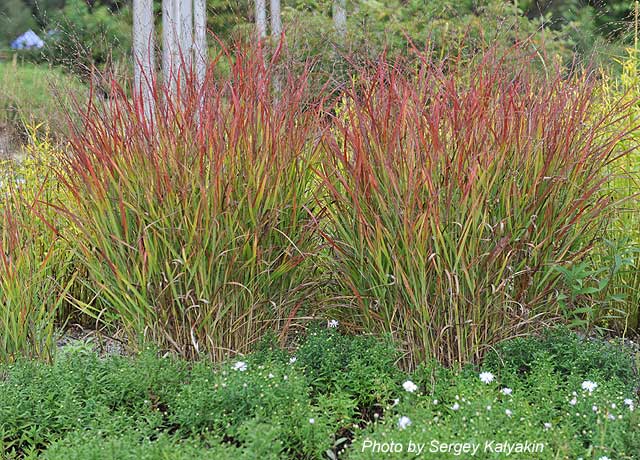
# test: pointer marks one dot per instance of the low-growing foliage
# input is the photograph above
(261, 406)
(567, 352)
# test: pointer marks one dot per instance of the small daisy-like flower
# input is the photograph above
(333, 323)
(547, 426)
(508, 412)
(487, 377)
(404, 422)
(240, 366)
(292, 360)
(506, 391)
(456, 406)
(435, 402)
(312, 420)
(395, 402)
(611, 417)
(589, 386)
(594, 408)
(629, 403)
(409, 386)
(489, 407)
(613, 405)
(574, 401)
(604, 457)
(271, 376)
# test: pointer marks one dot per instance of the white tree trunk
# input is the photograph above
(276, 19)
(186, 32)
(340, 18)
(200, 39)
(170, 44)
(143, 53)
(261, 18)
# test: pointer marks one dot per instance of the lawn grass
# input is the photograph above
(333, 396)
(36, 94)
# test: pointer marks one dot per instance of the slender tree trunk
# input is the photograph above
(276, 33)
(200, 39)
(143, 53)
(276, 19)
(261, 18)
(170, 44)
(340, 18)
(186, 32)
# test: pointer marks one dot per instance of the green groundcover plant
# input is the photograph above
(332, 396)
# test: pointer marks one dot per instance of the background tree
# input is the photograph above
(261, 18)
(276, 19)
(170, 42)
(186, 31)
(340, 18)
(143, 52)
(200, 39)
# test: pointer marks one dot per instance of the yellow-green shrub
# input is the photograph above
(621, 242)
(36, 265)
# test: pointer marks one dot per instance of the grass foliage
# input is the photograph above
(448, 203)
(198, 229)
(456, 190)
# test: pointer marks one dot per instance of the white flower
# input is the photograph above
(594, 408)
(395, 402)
(409, 386)
(486, 377)
(589, 386)
(435, 401)
(312, 420)
(604, 457)
(508, 412)
(271, 376)
(506, 391)
(292, 360)
(613, 405)
(611, 417)
(240, 366)
(574, 401)
(489, 407)
(404, 422)
(456, 406)
(333, 323)
(629, 402)
(547, 426)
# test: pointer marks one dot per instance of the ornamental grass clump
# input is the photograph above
(455, 190)
(198, 223)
